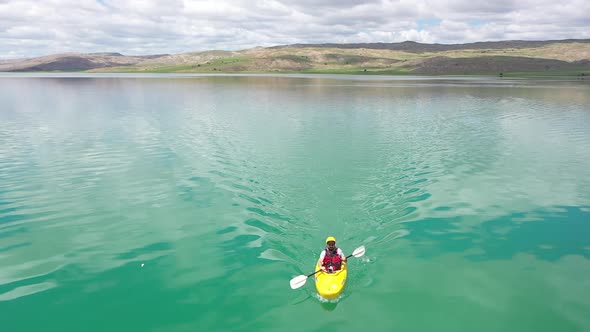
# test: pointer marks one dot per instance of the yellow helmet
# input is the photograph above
(330, 238)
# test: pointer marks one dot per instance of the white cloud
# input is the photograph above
(32, 28)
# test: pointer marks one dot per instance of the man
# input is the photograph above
(331, 259)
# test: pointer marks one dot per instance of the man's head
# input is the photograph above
(331, 242)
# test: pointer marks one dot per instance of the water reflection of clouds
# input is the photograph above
(553, 235)
(514, 291)
(537, 157)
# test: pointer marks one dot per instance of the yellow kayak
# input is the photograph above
(330, 285)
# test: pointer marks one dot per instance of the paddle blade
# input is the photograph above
(298, 281)
(358, 252)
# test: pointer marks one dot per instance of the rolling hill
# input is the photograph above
(559, 57)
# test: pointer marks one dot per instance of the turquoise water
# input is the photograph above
(187, 203)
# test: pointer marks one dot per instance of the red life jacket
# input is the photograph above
(333, 260)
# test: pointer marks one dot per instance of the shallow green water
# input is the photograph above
(471, 195)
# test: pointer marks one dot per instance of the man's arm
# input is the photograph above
(342, 256)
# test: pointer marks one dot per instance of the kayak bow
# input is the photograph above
(330, 285)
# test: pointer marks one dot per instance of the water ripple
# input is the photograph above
(199, 186)
(27, 290)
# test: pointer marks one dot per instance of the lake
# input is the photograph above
(164, 202)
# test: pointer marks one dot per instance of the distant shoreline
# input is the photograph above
(360, 77)
(569, 58)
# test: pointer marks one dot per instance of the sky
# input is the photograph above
(31, 28)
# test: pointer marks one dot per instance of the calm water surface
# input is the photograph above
(187, 203)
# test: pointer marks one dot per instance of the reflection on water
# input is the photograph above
(470, 194)
(547, 234)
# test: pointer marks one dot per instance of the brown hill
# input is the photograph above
(562, 56)
(442, 65)
(414, 47)
(74, 62)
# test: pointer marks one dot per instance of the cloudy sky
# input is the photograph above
(134, 27)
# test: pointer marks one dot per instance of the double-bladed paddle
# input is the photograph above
(300, 280)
